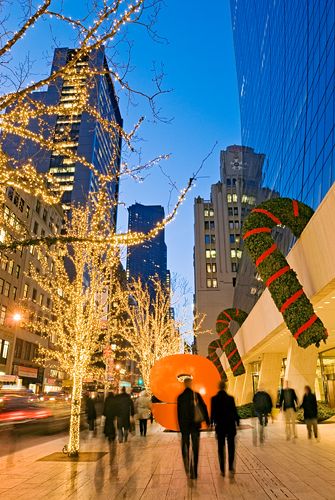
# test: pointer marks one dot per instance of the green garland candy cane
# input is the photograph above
(274, 269)
(226, 342)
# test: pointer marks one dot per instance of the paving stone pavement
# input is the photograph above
(151, 468)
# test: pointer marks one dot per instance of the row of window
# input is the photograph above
(8, 265)
(234, 238)
(25, 350)
(235, 253)
(34, 296)
(209, 225)
(210, 253)
(209, 212)
(212, 283)
(232, 182)
(209, 239)
(211, 268)
(18, 201)
(5, 289)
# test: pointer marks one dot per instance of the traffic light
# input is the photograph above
(140, 381)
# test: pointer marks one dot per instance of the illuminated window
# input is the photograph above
(1, 285)
(232, 253)
(41, 299)
(206, 212)
(231, 224)
(5, 349)
(208, 254)
(14, 292)
(6, 213)
(208, 268)
(211, 212)
(213, 254)
(10, 267)
(233, 267)
(239, 254)
(244, 198)
(209, 283)
(32, 249)
(215, 283)
(25, 291)
(234, 197)
(27, 211)
(212, 239)
(2, 314)
(214, 268)
(6, 289)
(252, 200)
(229, 198)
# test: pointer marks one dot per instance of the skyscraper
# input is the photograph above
(285, 59)
(217, 227)
(149, 258)
(80, 133)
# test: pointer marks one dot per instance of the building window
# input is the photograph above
(252, 200)
(51, 222)
(21, 206)
(215, 283)
(244, 198)
(229, 198)
(19, 251)
(211, 225)
(35, 227)
(27, 211)
(228, 181)
(233, 253)
(253, 290)
(208, 268)
(38, 206)
(32, 249)
(211, 212)
(4, 260)
(25, 291)
(239, 254)
(206, 225)
(5, 349)
(42, 233)
(235, 211)
(34, 295)
(16, 199)
(6, 289)
(52, 265)
(213, 253)
(18, 348)
(48, 303)
(27, 350)
(45, 214)
(1, 285)
(6, 213)
(231, 224)
(41, 299)
(209, 283)
(214, 268)
(207, 239)
(10, 267)
(18, 269)
(235, 198)
(14, 292)
(206, 212)
(208, 254)
(234, 182)
(237, 224)
(230, 211)
(233, 267)
(10, 193)
(213, 239)
(57, 229)
(2, 314)
(243, 211)
(232, 238)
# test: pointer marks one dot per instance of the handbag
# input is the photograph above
(198, 413)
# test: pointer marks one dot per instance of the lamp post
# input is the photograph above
(117, 369)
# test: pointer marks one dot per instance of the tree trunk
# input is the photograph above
(73, 447)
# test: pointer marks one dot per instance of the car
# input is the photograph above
(54, 397)
(136, 391)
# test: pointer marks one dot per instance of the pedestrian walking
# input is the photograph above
(289, 403)
(225, 417)
(263, 407)
(91, 413)
(192, 411)
(124, 410)
(109, 412)
(143, 411)
(310, 408)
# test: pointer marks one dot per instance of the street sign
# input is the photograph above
(110, 379)
(107, 353)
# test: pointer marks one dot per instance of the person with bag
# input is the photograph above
(225, 417)
(289, 403)
(143, 411)
(124, 410)
(192, 411)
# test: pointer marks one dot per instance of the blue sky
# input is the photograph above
(203, 106)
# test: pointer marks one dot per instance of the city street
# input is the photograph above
(152, 468)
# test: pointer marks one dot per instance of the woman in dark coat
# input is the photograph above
(310, 407)
(91, 413)
(110, 414)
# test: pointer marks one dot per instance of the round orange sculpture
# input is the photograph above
(165, 385)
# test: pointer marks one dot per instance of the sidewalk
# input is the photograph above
(152, 468)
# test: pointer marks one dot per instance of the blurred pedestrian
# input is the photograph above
(310, 408)
(289, 403)
(124, 410)
(225, 417)
(109, 412)
(192, 411)
(143, 410)
(91, 413)
(263, 407)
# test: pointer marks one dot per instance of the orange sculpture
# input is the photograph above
(165, 385)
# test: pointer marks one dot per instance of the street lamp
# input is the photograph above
(17, 317)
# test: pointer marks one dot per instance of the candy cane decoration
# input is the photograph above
(215, 359)
(226, 342)
(274, 269)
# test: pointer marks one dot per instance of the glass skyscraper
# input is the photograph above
(150, 257)
(285, 59)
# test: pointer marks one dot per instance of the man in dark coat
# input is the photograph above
(224, 416)
(124, 409)
(289, 403)
(310, 406)
(91, 413)
(190, 425)
(110, 414)
(263, 405)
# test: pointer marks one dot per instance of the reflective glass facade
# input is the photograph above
(285, 62)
